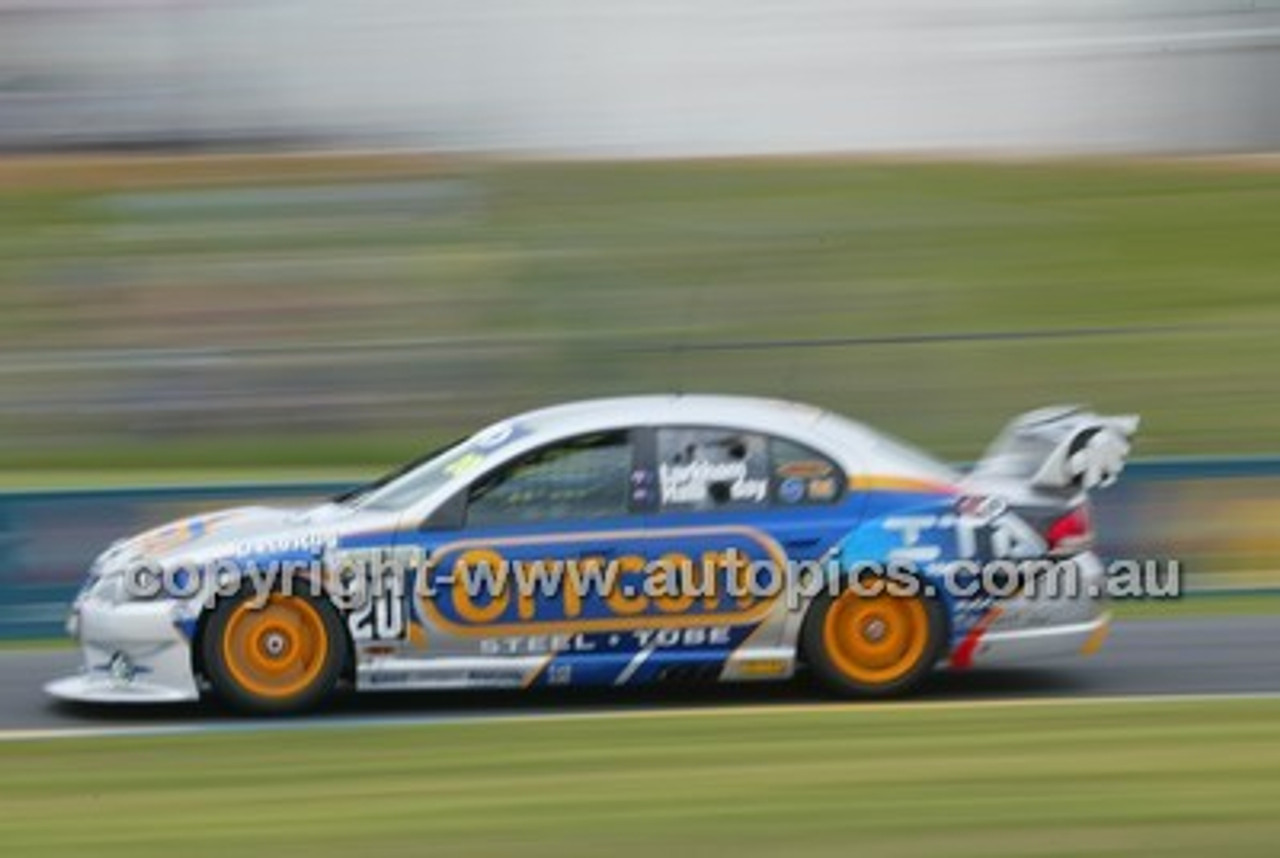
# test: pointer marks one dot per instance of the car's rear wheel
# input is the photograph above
(881, 644)
(284, 655)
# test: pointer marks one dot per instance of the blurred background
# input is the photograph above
(286, 245)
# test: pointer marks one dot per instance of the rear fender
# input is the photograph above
(927, 541)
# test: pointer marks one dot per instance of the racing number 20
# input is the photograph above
(379, 618)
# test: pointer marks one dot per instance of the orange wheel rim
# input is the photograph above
(878, 639)
(277, 650)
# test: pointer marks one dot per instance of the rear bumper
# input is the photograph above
(1043, 624)
(1015, 645)
(132, 653)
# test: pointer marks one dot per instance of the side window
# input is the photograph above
(704, 468)
(584, 477)
(802, 476)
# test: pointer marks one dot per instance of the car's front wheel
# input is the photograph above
(283, 655)
(873, 645)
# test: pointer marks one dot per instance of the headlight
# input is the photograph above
(142, 582)
(106, 587)
(136, 581)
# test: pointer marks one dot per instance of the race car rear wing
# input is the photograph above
(1060, 448)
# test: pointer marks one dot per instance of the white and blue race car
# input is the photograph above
(617, 542)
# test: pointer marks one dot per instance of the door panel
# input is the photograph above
(715, 484)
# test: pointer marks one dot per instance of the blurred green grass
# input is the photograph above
(1175, 778)
(556, 281)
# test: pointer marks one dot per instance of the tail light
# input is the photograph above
(1072, 532)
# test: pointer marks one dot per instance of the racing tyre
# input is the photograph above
(281, 657)
(864, 646)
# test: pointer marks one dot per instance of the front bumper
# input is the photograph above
(133, 652)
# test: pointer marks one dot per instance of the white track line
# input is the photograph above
(339, 723)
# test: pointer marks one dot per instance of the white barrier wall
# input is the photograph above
(658, 77)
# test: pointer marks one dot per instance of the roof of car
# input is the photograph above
(852, 443)
(714, 409)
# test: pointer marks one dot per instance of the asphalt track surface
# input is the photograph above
(1212, 656)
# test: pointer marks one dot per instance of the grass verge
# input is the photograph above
(35, 644)
(1177, 778)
